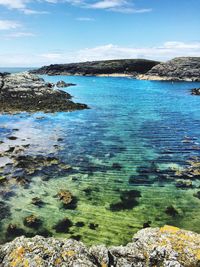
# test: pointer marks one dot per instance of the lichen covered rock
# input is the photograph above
(164, 247)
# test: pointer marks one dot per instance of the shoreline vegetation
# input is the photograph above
(165, 246)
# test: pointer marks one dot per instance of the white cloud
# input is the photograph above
(9, 24)
(22, 6)
(20, 34)
(164, 52)
(85, 19)
(18, 4)
(123, 6)
(51, 56)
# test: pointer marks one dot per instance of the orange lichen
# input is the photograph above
(58, 261)
(69, 253)
(17, 257)
(169, 229)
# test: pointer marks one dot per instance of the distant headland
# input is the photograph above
(177, 69)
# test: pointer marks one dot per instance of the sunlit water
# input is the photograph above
(130, 122)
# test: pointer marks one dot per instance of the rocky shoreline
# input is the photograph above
(27, 92)
(165, 247)
(177, 69)
(123, 67)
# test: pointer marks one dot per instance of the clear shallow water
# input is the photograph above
(133, 123)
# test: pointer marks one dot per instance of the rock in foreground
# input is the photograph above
(167, 247)
(177, 69)
(27, 92)
(130, 67)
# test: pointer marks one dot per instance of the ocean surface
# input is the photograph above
(122, 151)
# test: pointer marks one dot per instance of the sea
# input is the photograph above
(124, 151)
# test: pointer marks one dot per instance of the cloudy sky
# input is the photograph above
(40, 32)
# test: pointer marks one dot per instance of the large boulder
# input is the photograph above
(165, 247)
(177, 69)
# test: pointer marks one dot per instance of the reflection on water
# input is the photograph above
(102, 174)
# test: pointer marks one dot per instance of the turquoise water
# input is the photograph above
(135, 125)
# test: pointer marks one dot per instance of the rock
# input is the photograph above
(116, 166)
(67, 199)
(4, 210)
(196, 91)
(128, 200)
(27, 92)
(62, 84)
(190, 172)
(167, 246)
(93, 226)
(177, 69)
(197, 194)
(184, 184)
(13, 231)
(171, 211)
(63, 226)
(37, 202)
(80, 224)
(32, 221)
(107, 67)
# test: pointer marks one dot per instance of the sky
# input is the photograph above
(41, 32)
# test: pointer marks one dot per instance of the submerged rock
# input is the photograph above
(32, 221)
(27, 92)
(67, 199)
(128, 200)
(184, 184)
(63, 226)
(165, 247)
(4, 210)
(171, 211)
(13, 231)
(197, 194)
(37, 202)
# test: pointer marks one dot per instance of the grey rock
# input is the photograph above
(130, 67)
(62, 84)
(28, 92)
(177, 69)
(165, 247)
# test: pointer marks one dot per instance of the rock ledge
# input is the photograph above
(27, 92)
(167, 246)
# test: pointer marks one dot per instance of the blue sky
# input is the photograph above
(38, 32)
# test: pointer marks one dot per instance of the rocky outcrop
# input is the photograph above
(167, 246)
(196, 91)
(124, 67)
(62, 84)
(28, 92)
(177, 69)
